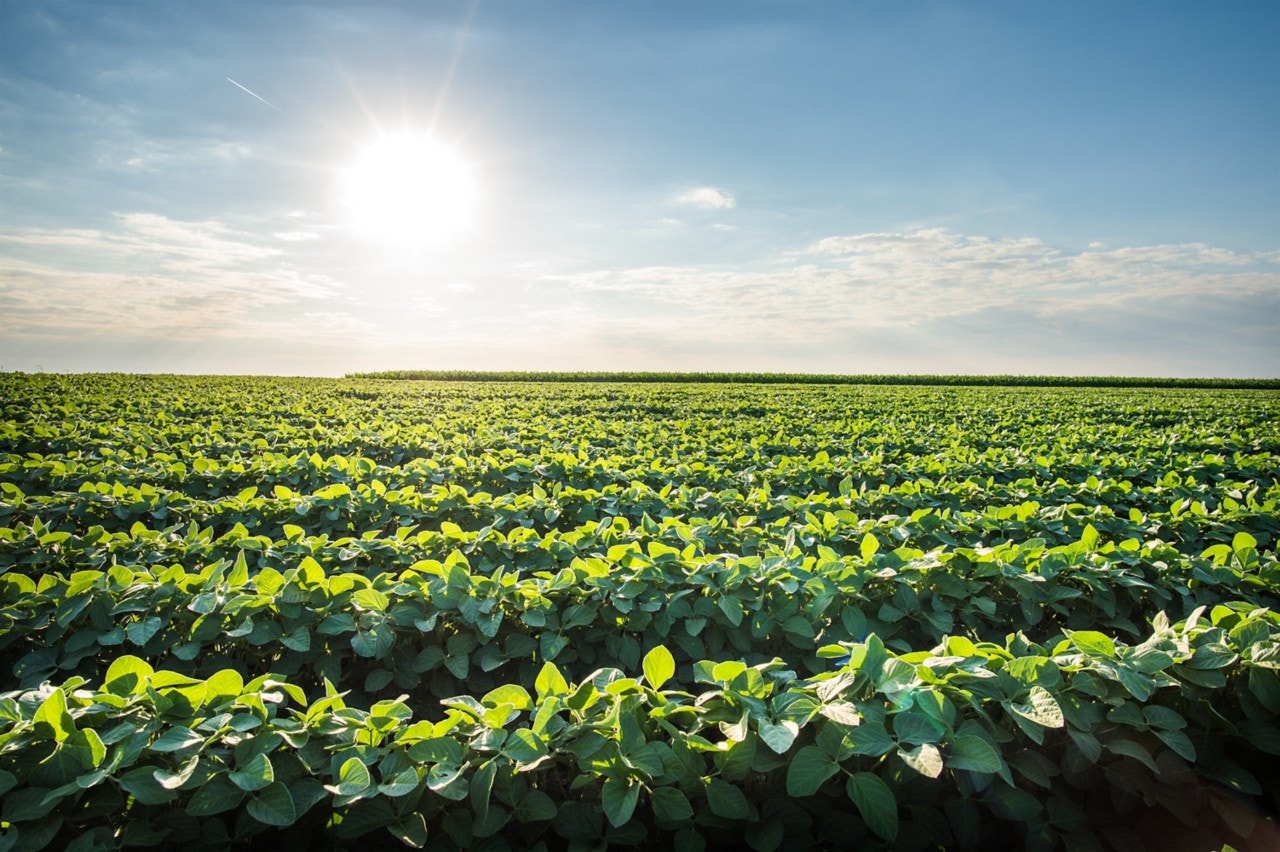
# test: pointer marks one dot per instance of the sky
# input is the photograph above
(1067, 188)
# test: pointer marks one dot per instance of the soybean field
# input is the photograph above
(507, 615)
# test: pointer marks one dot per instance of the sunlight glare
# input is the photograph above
(408, 190)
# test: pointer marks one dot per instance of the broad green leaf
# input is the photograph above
(272, 805)
(875, 803)
(809, 769)
(52, 716)
(481, 788)
(174, 780)
(140, 632)
(525, 747)
(974, 754)
(926, 759)
(779, 737)
(1180, 743)
(404, 783)
(141, 783)
(912, 727)
(1137, 751)
(215, 796)
(370, 599)
(411, 830)
(255, 774)
(127, 676)
(512, 694)
(299, 640)
(1041, 707)
(727, 801)
(175, 739)
(550, 682)
(535, 806)
(659, 666)
(670, 805)
(353, 778)
(87, 747)
(869, 738)
(618, 798)
(1094, 643)
(1242, 540)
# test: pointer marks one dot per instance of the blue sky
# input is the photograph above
(1007, 187)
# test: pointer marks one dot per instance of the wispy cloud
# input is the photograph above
(887, 294)
(166, 277)
(707, 198)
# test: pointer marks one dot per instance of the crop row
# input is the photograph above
(445, 624)
(967, 745)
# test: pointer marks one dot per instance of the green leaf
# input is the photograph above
(927, 759)
(659, 666)
(272, 805)
(53, 716)
(670, 805)
(1136, 750)
(535, 806)
(481, 788)
(175, 739)
(618, 798)
(1041, 708)
(127, 676)
(141, 783)
(550, 682)
(140, 632)
(1242, 540)
(353, 778)
(912, 727)
(781, 736)
(869, 738)
(402, 784)
(1179, 742)
(174, 780)
(375, 642)
(1093, 643)
(875, 802)
(410, 830)
(371, 600)
(513, 694)
(299, 640)
(732, 609)
(974, 754)
(255, 775)
(809, 769)
(87, 747)
(524, 746)
(727, 801)
(215, 796)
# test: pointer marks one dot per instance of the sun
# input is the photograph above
(408, 189)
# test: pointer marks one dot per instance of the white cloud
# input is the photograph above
(707, 198)
(296, 236)
(167, 278)
(887, 295)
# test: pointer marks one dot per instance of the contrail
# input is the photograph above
(256, 95)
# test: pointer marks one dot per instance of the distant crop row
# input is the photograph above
(632, 377)
(530, 616)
